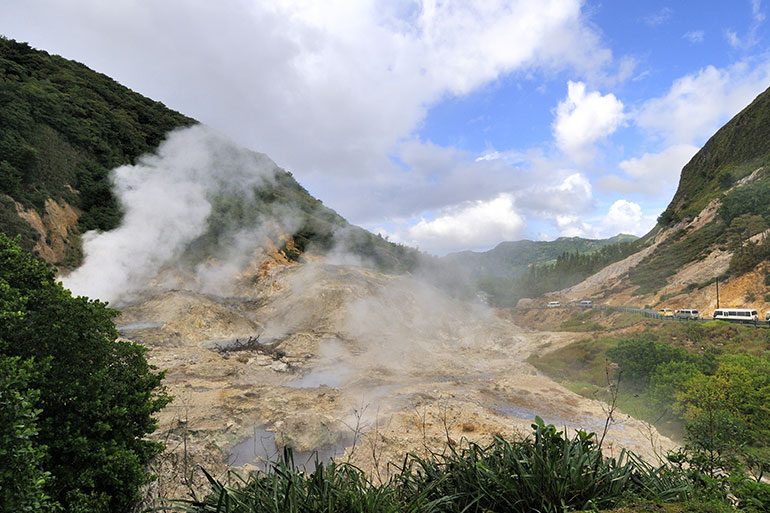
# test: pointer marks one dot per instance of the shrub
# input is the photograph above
(546, 472)
(97, 395)
(22, 480)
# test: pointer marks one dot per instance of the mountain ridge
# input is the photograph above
(68, 127)
(716, 227)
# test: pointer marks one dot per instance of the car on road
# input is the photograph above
(554, 304)
(666, 312)
(687, 314)
(586, 303)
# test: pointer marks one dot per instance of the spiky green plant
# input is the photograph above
(547, 472)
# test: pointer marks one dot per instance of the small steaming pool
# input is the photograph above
(136, 326)
(326, 376)
(260, 448)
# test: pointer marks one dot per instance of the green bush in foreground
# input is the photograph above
(22, 481)
(547, 472)
(82, 410)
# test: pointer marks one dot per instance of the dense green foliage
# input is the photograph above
(548, 472)
(94, 396)
(22, 480)
(64, 128)
(513, 270)
(706, 384)
(571, 268)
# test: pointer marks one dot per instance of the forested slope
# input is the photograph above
(65, 126)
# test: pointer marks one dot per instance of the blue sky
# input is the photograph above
(447, 125)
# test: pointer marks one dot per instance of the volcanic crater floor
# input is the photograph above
(351, 363)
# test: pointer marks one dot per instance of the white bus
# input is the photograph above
(736, 315)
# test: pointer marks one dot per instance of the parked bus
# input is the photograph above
(736, 315)
(687, 314)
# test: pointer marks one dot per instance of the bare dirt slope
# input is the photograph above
(355, 363)
(611, 285)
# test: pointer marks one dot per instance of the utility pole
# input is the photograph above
(717, 292)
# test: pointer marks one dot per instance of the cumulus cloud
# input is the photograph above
(327, 89)
(574, 226)
(625, 217)
(697, 104)
(652, 174)
(584, 118)
(473, 225)
(572, 194)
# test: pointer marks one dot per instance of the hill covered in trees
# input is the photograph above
(525, 268)
(65, 127)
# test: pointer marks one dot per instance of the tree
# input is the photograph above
(96, 394)
(22, 480)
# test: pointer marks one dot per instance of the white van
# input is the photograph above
(687, 314)
(554, 304)
(736, 315)
(586, 303)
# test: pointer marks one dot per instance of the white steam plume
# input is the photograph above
(166, 198)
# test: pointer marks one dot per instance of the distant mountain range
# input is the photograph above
(512, 258)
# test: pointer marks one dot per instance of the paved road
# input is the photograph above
(653, 314)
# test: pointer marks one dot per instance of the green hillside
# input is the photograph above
(734, 152)
(516, 269)
(66, 126)
(512, 258)
(731, 168)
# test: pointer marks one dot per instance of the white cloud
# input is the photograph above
(572, 194)
(574, 226)
(696, 105)
(327, 89)
(625, 217)
(749, 39)
(652, 174)
(694, 36)
(622, 217)
(584, 118)
(659, 17)
(473, 225)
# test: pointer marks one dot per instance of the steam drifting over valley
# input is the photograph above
(321, 352)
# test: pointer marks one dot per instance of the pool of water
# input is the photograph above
(260, 448)
(136, 326)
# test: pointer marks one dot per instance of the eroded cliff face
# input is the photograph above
(59, 240)
(342, 359)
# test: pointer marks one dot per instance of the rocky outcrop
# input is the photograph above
(57, 227)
